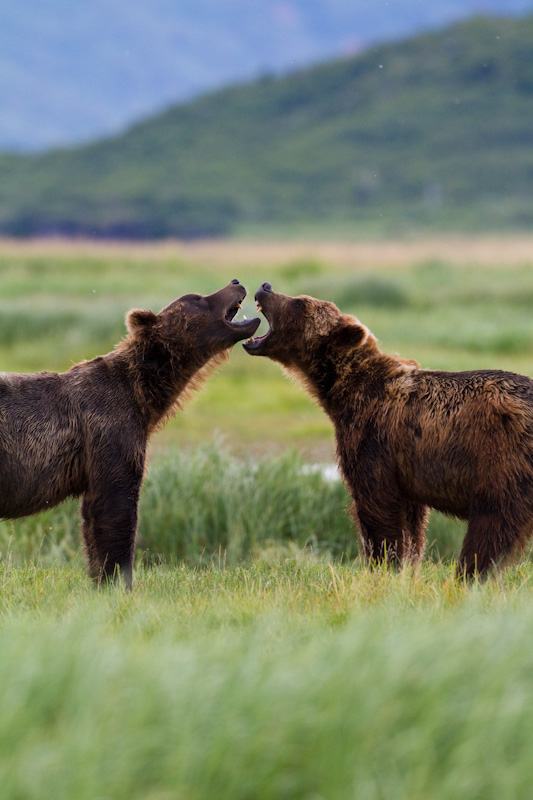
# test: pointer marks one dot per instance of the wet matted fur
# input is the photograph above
(84, 432)
(411, 439)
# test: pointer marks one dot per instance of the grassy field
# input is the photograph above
(256, 657)
(452, 303)
(287, 679)
(207, 506)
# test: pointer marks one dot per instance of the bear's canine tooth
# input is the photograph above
(259, 308)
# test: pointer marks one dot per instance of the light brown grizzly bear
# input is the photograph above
(84, 432)
(410, 439)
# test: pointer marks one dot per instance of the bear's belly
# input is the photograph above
(439, 482)
(29, 485)
(23, 500)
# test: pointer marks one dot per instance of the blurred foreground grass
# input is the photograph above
(294, 678)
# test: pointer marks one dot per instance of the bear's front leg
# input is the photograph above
(109, 528)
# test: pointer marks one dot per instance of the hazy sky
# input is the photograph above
(73, 71)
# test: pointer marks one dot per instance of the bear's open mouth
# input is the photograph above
(249, 326)
(254, 342)
(231, 313)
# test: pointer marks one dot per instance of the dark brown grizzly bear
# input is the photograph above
(84, 432)
(410, 439)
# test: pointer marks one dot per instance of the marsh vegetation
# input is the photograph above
(257, 657)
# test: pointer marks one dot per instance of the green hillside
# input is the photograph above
(433, 131)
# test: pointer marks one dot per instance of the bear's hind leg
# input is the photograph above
(396, 535)
(381, 541)
(491, 536)
(91, 551)
(414, 540)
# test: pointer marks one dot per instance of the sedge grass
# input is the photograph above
(450, 302)
(204, 504)
(256, 656)
(288, 679)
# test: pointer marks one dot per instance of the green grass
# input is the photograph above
(59, 306)
(206, 506)
(286, 679)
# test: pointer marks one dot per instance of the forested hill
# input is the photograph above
(435, 130)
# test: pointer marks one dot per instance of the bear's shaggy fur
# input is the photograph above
(410, 439)
(84, 432)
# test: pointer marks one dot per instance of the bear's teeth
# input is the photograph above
(250, 340)
(244, 316)
(239, 305)
(259, 308)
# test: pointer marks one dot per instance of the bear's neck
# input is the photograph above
(163, 382)
(337, 381)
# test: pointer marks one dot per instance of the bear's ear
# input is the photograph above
(139, 321)
(348, 335)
